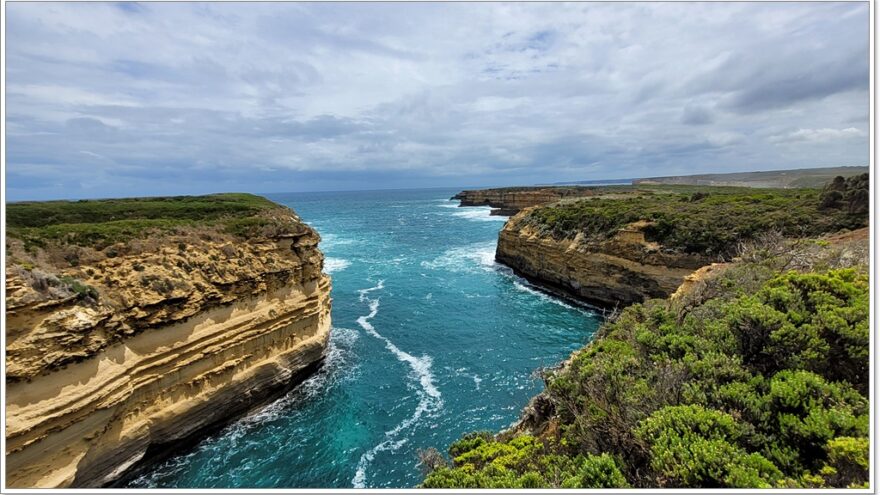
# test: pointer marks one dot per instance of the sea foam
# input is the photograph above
(523, 287)
(478, 256)
(332, 265)
(429, 395)
(479, 214)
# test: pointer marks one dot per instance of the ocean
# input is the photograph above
(431, 339)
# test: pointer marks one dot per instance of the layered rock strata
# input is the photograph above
(618, 271)
(509, 201)
(119, 359)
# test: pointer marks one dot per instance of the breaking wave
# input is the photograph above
(479, 256)
(332, 265)
(479, 214)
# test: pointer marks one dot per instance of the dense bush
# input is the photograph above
(852, 193)
(708, 221)
(523, 462)
(763, 385)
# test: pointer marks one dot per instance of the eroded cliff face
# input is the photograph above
(619, 271)
(509, 201)
(114, 360)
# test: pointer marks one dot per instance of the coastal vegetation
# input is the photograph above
(709, 221)
(756, 376)
(101, 223)
(804, 177)
(764, 388)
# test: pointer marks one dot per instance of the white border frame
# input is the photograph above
(873, 340)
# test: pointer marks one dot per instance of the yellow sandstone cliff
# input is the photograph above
(118, 359)
(618, 271)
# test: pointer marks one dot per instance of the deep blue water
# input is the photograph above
(431, 339)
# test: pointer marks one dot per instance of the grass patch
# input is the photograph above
(99, 223)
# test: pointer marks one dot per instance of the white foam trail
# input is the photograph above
(479, 214)
(363, 292)
(557, 301)
(479, 256)
(332, 265)
(429, 396)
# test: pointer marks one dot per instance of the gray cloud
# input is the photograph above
(696, 115)
(108, 99)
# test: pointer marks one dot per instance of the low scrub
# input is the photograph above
(710, 221)
(762, 385)
(101, 223)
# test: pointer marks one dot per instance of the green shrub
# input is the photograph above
(469, 442)
(760, 387)
(695, 447)
(597, 471)
(80, 289)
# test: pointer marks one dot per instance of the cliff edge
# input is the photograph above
(628, 245)
(511, 200)
(621, 270)
(136, 325)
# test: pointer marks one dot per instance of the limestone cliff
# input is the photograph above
(132, 349)
(618, 271)
(510, 200)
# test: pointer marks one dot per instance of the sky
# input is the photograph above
(123, 99)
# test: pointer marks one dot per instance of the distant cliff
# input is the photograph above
(510, 200)
(803, 177)
(134, 326)
(626, 246)
(621, 270)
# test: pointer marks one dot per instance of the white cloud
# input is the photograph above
(819, 135)
(277, 96)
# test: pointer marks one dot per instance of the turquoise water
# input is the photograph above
(431, 339)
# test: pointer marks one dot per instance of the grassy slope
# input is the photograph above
(99, 223)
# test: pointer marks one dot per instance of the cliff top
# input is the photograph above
(98, 223)
(809, 178)
(645, 186)
(74, 241)
(562, 190)
(708, 220)
(105, 270)
(42, 213)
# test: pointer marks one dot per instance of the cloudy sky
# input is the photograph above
(176, 98)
